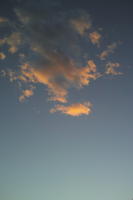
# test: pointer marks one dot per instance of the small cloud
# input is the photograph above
(26, 94)
(3, 20)
(92, 66)
(110, 49)
(2, 56)
(75, 110)
(111, 68)
(13, 41)
(81, 23)
(13, 49)
(95, 37)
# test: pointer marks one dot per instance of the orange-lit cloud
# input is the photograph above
(111, 68)
(92, 66)
(58, 77)
(75, 110)
(13, 49)
(53, 49)
(110, 49)
(3, 20)
(26, 94)
(2, 56)
(95, 37)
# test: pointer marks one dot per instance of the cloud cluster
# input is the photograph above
(58, 76)
(56, 45)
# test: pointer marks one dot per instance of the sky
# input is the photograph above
(66, 100)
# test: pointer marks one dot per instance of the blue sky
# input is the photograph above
(57, 156)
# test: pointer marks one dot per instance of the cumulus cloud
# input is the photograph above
(74, 110)
(2, 56)
(110, 49)
(111, 68)
(95, 37)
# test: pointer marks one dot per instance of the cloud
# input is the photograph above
(75, 110)
(3, 20)
(13, 49)
(54, 51)
(81, 23)
(2, 56)
(92, 66)
(95, 37)
(14, 40)
(111, 68)
(26, 94)
(110, 49)
(23, 15)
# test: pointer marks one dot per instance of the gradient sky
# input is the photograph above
(53, 156)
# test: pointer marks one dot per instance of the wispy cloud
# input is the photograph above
(110, 49)
(74, 110)
(111, 68)
(13, 41)
(81, 23)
